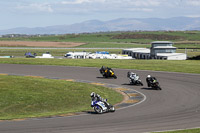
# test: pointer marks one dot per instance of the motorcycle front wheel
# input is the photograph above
(115, 77)
(159, 88)
(98, 109)
(112, 109)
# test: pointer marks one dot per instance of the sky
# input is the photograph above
(42, 13)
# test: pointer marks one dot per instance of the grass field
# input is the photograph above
(184, 131)
(188, 66)
(25, 97)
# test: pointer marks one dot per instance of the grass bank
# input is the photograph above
(184, 131)
(22, 97)
(185, 66)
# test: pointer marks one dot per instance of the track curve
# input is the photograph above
(177, 106)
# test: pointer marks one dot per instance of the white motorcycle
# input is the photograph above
(100, 107)
(134, 79)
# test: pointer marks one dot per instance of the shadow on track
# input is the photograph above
(105, 78)
(90, 112)
(131, 84)
(148, 88)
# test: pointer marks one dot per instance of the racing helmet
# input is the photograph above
(92, 94)
(133, 74)
(148, 76)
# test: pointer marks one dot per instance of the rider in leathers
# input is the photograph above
(106, 71)
(132, 76)
(150, 80)
(97, 97)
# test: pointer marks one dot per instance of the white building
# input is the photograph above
(97, 55)
(158, 50)
(77, 55)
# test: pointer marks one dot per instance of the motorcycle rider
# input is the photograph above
(106, 71)
(97, 97)
(132, 76)
(150, 80)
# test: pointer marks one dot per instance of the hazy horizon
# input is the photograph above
(43, 13)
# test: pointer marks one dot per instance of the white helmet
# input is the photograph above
(133, 73)
(92, 94)
(148, 76)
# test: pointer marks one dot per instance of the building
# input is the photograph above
(137, 53)
(159, 50)
(77, 55)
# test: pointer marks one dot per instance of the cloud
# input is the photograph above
(119, 2)
(102, 6)
(82, 1)
(141, 3)
(35, 7)
(193, 2)
(141, 9)
(193, 15)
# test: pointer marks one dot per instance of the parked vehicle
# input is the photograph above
(29, 55)
(100, 107)
(45, 55)
(107, 72)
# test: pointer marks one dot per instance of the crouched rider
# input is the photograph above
(97, 97)
(150, 80)
(132, 76)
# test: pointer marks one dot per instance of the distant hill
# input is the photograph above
(122, 24)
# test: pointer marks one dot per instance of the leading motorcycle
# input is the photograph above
(107, 72)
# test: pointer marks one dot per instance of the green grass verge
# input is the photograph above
(22, 97)
(184, 131)
(114, 45)
(185, 66)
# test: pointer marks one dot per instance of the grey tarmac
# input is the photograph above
(177, 106)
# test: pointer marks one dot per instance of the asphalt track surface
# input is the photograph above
(177, 106)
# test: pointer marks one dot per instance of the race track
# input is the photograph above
(177, 106)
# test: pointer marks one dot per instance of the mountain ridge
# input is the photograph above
(120, 24)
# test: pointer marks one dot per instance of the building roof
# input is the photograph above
(160, 42)
(165, 47)
(138, 50)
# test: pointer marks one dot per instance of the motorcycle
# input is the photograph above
(155, 85)
(100, 107)
(134, 79)
(107, 72)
